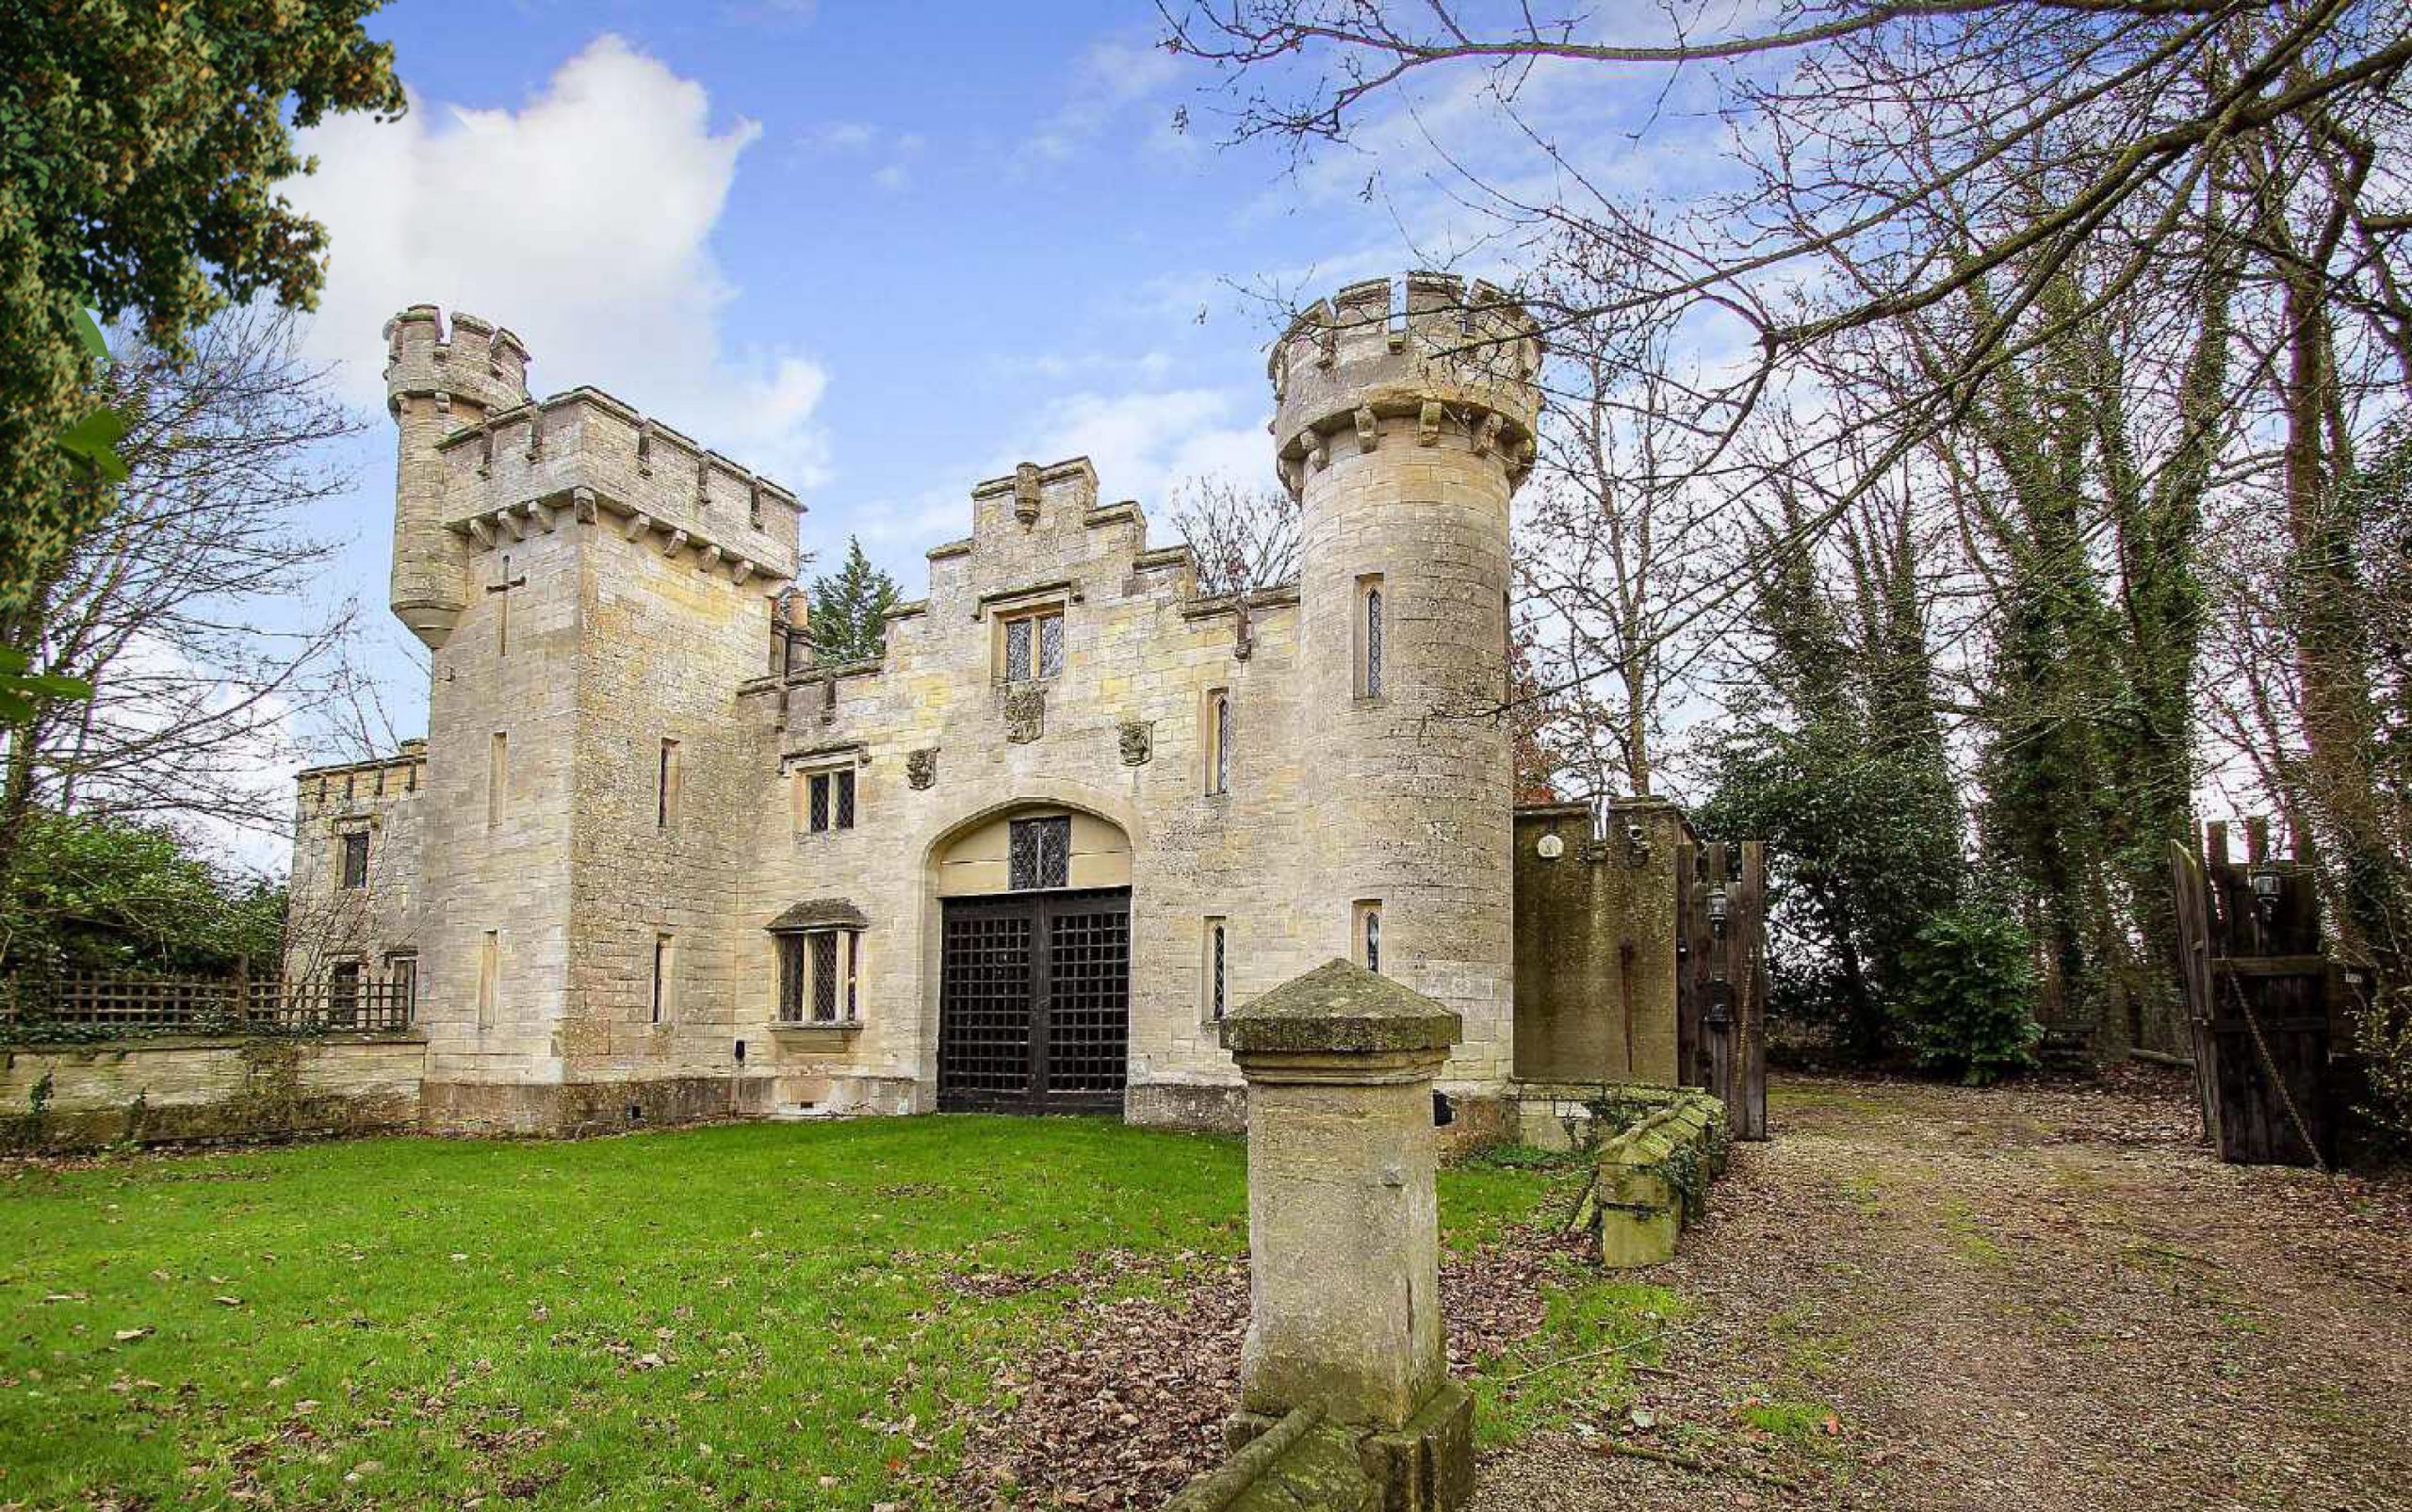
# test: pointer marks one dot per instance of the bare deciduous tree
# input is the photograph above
(169, 605)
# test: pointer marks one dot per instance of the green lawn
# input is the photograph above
(747, 1316)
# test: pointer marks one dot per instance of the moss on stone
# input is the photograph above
(1340, 1006)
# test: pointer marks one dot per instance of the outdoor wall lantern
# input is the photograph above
(1716, 911)
(2265, 892)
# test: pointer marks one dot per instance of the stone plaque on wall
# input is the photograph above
(1138, 741)
(921, 767)
(1025, 715)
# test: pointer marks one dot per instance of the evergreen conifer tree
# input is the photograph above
(847, 619)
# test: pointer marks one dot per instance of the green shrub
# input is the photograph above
(1969, 994)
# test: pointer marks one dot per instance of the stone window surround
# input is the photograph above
(350, 835)
(1365, 933)
(1215, 743)
(791, 933)
(804, 771)
(807, 977)
(1370, 639)
(1034, 607)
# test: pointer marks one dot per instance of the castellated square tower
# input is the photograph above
(656, 864)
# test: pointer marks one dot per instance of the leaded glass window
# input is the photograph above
(1034, 647)
(1369, 932)
(790, 978)
(846, 799)
(1215, 966)
(1219, 756)
(1038, 852)
(824, 976)
(1373, 643)
(1018, 650)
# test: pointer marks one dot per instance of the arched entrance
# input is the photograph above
(1035, 964)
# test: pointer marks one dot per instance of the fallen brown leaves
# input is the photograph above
(1126, 1398)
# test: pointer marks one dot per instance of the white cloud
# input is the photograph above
(581, 221)
(1109, 78)
(1146, 446)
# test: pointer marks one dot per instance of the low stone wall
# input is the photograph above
(1652, 1179)
(576, 1109)
(194, 1089)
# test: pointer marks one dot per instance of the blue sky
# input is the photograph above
(878, 252)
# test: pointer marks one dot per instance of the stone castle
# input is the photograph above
(652, 862)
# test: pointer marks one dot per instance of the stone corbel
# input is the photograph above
(638, 525)
(1319, 455)
(481, 531)
(644, 449)
(1486, 436)
(707, 557)
(1427, 423)
(677, 543)
(581, 505)
(509, 520)
(539, 512)
(740, 571)
(1369, 428)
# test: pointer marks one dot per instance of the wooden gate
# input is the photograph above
(1035, 1003)
(1721, 977)
(2259, 997)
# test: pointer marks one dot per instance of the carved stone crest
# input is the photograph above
(921, 767)
(1138, 741)
(1025, 715)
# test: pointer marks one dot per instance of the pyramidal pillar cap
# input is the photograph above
(1342, 1013)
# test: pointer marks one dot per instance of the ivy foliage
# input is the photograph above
(141, 144)
(100, 894)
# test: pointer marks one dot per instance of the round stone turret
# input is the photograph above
(434, 385)
(1404, 424)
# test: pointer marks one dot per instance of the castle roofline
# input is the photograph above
(654, 430)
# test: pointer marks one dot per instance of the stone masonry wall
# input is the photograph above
(150, 1091)
(328, 921)
(1141, 651)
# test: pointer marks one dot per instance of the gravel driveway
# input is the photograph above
(2033, 1297)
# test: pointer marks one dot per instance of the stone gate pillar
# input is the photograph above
(1343, 1227)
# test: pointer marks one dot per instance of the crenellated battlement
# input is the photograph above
(584, 451)
(1432, 354)
(478, 363)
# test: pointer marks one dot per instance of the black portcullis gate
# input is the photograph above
(1035, 1003)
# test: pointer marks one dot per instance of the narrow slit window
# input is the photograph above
(665, 787)
(1369, 934)
(1218, 741)
(664, 961)
(1373, 642)
(489, 978)
(498, 775)
(355, 858)
(1216, 970)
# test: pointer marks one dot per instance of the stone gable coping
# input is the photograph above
(1066, 587)
(1341, 1007)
